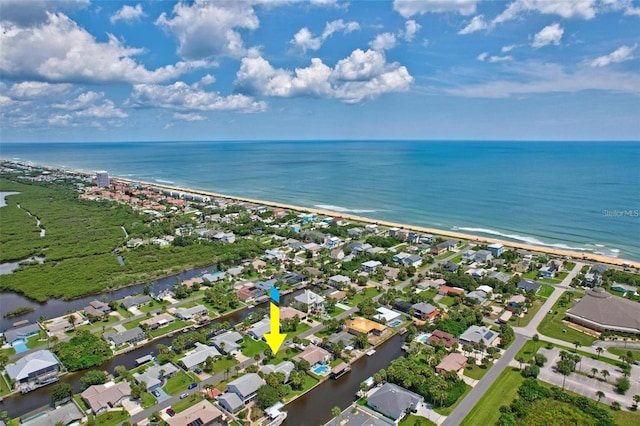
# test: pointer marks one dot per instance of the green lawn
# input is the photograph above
(446, 300)
(531, 312)
(412, 420)
(125, 314)
(112, 418)
(177, 383)
(623, 351)
(585, 269)
(309, 382)
(532, 275)
(545, 291)
(527, 351)
(134, 323)
(147, 400)
(183, 404)
(445, 255)
(475, 372)
(457, 259)
(4, 388)
(503, 391)
(251, 347)
(302, 327)
(34, 341)
(8, 351)
(222, 364)
(445, 411)
(177, 324)
(153, 305)
(367, 293)
(552, 326)
(285, 355)
(336, 312)
(625, 418)
(569, 266)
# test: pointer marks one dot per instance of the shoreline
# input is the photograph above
(324, 212)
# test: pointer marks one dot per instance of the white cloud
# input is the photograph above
(384, 41)
(89, 105)
(305, 40)
(538, 78)
(585, 9)
(37, 90)
(183, 97)
(30, 12)
(360, 76)
(482, 56)
(411, 27)
(191, 116)
(508, 48)
(621, 54)
(551, 34)
(59, 50)
(207, 80)
(477, 23)
(494, 59)
(128, 14)
(408, 8)
(206, 29)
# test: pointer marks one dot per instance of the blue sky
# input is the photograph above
(80, 70)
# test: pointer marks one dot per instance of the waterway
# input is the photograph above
(314, 408)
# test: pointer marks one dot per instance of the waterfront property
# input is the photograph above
(356, 415)
(203, 413)
(191, 313)
(425, 311)
(119, 338)
(360, 325)
(230, 402)
(134, 301)
(394, 401)
(602, 311)
(496, 249)
(227, 342)
(246, 387)
(198, 356)
(34, 370)
(97, 309)
(478, 335)
(19, 335)
(285, 367)
(67, 414)
(387, 315)
(259, 329)
(313, 355)
(452, 362)
(155, 375)
(442, 338)
(100, 398)
(158, 321)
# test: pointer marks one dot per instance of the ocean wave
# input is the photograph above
(170, 182)
(529, 240)
(342, 209)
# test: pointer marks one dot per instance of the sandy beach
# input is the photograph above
(438, 232)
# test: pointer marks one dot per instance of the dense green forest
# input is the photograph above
(80, 240)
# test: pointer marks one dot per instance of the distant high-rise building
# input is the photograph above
(102, 179)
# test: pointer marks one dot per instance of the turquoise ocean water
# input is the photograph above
(574, 195)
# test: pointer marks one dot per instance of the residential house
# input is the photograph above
(337, 254)
(312, 300)
(198, 356)
(246, 387)
(101, 398)
(230, 402)
(425, 311)
(339, 281)
(224, 237)
(313, 248)
(295, 227)
(516, 302)
(599, 268)
(249, 292)
(452, 362)
(360, 325)
(215, 277)
(500, 276)
(402, 305)
(337, 294)
(372, 251)
(227, 342)
(445, 290)
(478, 295)
(487, 289)
(355, 232)
(97, 309)
(450, 266)
(292, 278)
(624, 289)
(235, 271)
(259, 329)
(203, 413)
(468, 255)
(413, 260)
(442, 248)
(287, 312)
(391, 273)
(476, 273)
(258, 265)
(134, 301)
(370, 266)
(313, 355)
(399, 257)
(371, 228)
(266, 285)
(496, 249)
(359, 248)
(547, 272)
(67, 414)
(483, 256)
(526, 285)
(332, 242)
(285, 367)
(155, 375)
(158, 321)
(17, 335)
(478, 335)
(430, 283)
(386, 315)
(33, 370)
(275, 254)
(442, 338)
(394, 401)
(592, 279)
(191, 313)
(119, 338)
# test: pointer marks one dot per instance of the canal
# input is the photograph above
(18, 405)
(314, 408)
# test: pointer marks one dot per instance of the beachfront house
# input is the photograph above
(496, 249)
(394, 401)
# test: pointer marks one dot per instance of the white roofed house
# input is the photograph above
(246, 387)
(197, 356)
(312, 300)
(227, 342)
(285, 367)
(34, 370)
(191, 313)
(152, 376)
(478, 335)
(339, 281)
(413, 260)
(483, 256)
(370, 265)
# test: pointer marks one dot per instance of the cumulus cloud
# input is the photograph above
(362, 75)
(128, 14)
(584, 9)
(305, 40)
(551, 34)
(534, 78)
(90, 105)
(621, 54)
(477, 23)
(37, 90)
(190, 116)
(59, 50)
(30, 12)
(409, 8)
(206, 29)
(384, 41)
(411, 27)
(184, 97)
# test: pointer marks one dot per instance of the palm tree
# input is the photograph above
(600, 395)
(520, 360)
(605, 374)
(577, 344)
(565, 367)
(599, 350)
(636, 400)
(335, 411)
(41, 320)
(72, 321)
(594, 371)
(535, 339)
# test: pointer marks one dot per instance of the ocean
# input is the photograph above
(581, 196)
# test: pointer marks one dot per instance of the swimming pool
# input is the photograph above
(395, 323)
(20, 346)
(320, 369)
(422, 338)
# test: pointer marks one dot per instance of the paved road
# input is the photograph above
(457, 416)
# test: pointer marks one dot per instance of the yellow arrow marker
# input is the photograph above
(274, 338)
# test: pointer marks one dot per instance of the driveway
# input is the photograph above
(163, 395)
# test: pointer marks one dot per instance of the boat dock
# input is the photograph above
(340, 370)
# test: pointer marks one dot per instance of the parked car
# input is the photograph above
(192, 386)
(197, 371)
(184, 395)
(155, 393)
(170, 412)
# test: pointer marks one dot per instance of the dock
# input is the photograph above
(340, 370)
(370, 352)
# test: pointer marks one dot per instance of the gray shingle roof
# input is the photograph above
(246, 385)
(392, 400)
(230, 401)
(31, 363)
(21, 332)
(120, 338)
(65, 414)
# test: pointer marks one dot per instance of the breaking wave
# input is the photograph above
(342, 209)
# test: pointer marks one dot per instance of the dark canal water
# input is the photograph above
(314, 408)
